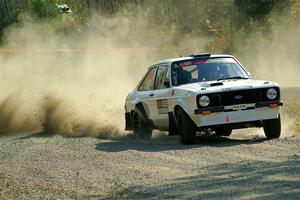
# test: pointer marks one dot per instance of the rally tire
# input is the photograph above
(272, 128)
(186, 128)
(141, 130)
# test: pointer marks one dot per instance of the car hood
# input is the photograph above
(226, 85)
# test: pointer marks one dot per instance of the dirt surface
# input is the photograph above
(244, 165)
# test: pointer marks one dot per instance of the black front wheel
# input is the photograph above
(272, 128)
(141, 129)
(186, 128)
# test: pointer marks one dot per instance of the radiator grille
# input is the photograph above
(238, 97)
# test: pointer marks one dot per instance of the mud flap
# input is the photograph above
(139, 109)
(128, 124)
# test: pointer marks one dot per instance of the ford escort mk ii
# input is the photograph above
(204, 93)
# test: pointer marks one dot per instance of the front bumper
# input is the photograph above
(221, 115)
(223, 109)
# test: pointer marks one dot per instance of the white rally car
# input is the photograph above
(202, 93)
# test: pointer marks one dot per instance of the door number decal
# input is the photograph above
(162, 106)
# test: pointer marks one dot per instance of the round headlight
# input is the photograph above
(271, 93)
(204, 101)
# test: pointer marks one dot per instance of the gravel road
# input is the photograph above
(243, 166)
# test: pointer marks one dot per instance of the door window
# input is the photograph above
(162, 77)
(147, 83)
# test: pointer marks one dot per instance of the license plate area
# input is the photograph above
(239, 107)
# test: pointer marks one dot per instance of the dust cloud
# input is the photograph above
(16, 117)
(72, 92)
(275, 57)
(77, 85)
(70, 85)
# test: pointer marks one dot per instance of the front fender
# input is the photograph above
(188, 105)
(130, 105)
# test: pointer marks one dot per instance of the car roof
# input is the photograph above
(169, 61)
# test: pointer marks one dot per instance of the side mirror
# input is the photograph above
(167, 84)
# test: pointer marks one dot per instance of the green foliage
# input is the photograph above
(42, 9)
(224, 22)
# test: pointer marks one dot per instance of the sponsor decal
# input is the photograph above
(200, 62)
(228, 89)
(162, 106)
(185, 64)
(236, 88)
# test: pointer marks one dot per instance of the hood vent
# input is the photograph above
(216, 84)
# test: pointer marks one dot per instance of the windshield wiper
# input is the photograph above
(232, 77)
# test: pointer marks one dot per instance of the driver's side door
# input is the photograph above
(162, 93)
(146, 93)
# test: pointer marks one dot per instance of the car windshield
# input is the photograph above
(206, 69)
